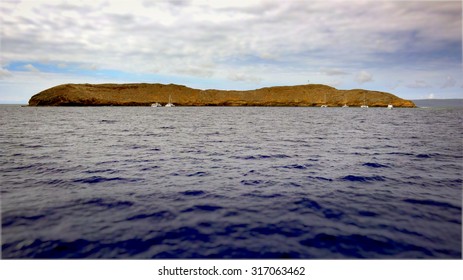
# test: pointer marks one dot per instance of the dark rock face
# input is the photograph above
(147, 94)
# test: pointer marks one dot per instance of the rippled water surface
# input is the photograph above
(231, 182)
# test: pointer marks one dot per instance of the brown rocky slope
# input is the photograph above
(146, 94)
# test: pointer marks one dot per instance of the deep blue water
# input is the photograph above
(230, 182)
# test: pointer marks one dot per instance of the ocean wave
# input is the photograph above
(101, 179)
(361, 246)
(356, 178)
(375, 165)
(432, 203)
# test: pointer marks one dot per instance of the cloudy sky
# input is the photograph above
(412, 49)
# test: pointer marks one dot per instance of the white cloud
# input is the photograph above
(4, 73)
(242, 77)
(363, 77)
(168, 31)
(419, 84)
(430, 96)
(31, 68)
(335, 83)
(195, 71)
(333, 71)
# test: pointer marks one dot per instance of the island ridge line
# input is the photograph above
(143, 94)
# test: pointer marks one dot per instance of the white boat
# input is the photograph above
(390, 107)
(156, 105)
(170, 104)
(345, 102)
(364, 102)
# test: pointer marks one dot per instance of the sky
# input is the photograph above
(410, 48)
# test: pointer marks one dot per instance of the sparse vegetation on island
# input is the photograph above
(144, 94)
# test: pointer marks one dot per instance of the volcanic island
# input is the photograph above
(144, 94)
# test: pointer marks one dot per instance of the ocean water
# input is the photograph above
(231, 182)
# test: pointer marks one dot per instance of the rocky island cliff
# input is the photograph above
(147, 94)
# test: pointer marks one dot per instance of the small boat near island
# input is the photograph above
(345, 102)
(364, 101)
(156, 105)
(390, 107)
(170, 104)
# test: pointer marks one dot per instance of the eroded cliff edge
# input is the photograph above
(147, 94)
